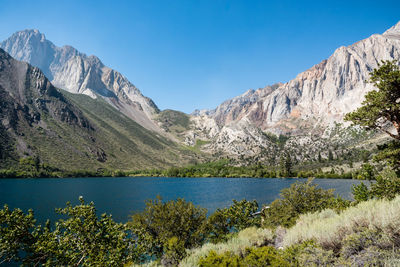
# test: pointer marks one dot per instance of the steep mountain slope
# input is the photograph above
(75, 72)
(324, 93)
(305, 108)
(72, 131)
(129, 145)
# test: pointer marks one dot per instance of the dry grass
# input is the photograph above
(328, 228)
(244, 239)
(148, 264)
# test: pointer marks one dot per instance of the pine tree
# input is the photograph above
(381, 108)
(330, 155)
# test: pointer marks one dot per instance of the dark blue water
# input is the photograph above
(124, 196)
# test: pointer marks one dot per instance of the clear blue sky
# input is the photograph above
(195, 54)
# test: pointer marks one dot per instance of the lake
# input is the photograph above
(123, 196)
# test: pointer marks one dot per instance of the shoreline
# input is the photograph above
(183, 177)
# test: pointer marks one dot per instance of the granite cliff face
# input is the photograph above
(75, 72)
(308, 104)
(325, 92)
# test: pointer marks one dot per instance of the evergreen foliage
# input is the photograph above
(381, 108)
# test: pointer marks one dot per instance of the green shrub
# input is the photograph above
(255, 257)
(361, 192)
(355, 243)
(367, 172)
(387, 186)
(290, 253)
(161, 221)
(174, 252)
(370, 256)
(219, 260)
(219, 226)
(18, 234)
(235, 218)
(316, 256)
(298, 199)
(263, 256)
(81, 239)
(239, 214)
(308, 253)
(237, 245)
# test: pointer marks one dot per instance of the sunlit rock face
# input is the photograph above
(76, 72)
(325, 92)
(315, 99)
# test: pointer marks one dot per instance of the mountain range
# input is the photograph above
(73, 131)
(64, 98)
(312, 103)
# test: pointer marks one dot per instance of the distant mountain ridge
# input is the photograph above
(309, 104)
(324, 92)
(73, 71)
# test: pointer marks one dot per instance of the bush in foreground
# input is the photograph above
(172, 224)
(237, 245)
(300, 198)
(82, 239)
(223, 222)
(387, 186)
(329, 228)
(364, 235)
(255, 256)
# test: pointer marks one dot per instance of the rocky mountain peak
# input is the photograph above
(30, 46)
(311, 103)
(71, 70)
(393, 31)
(33, 35)
(25, 38)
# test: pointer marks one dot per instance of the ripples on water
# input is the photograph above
(123, 196)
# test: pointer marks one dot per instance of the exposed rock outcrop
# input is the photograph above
(75, 72)
(314, 100)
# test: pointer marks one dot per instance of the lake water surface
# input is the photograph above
(123, 196)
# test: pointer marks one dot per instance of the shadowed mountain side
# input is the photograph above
(130, 145)
(71, 70)
(73, 131)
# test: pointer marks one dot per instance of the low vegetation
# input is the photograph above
(300, 198)
(31, 167)
(329, 228)
(363, 235)
(232, 169)
(237, 244)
